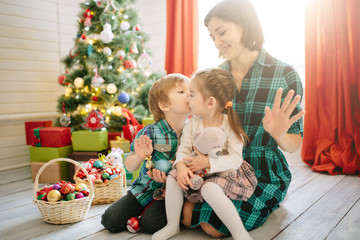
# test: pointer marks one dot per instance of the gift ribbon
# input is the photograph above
(36, 137)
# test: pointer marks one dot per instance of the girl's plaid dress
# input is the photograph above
(258, 90)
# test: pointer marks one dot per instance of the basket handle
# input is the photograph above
(36, 182)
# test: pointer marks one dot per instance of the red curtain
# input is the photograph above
(182, 37)
(332, 92)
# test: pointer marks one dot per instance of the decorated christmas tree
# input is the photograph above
(108, 67)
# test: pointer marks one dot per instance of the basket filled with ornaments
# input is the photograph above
(63, 202)
(107, 175)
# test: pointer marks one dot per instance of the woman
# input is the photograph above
(264, 101)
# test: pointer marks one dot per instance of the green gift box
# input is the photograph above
(147, 121)
(85, 140)
(121, 143)
(45, 154)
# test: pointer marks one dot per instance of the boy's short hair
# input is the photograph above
(159, 92)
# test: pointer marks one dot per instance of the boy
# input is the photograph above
(167, 103)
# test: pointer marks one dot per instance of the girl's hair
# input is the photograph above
(218, 83)
(159, 92)
(242, 13)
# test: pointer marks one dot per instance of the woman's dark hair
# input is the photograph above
(242, 13)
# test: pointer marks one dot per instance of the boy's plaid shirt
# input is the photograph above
(165, 142)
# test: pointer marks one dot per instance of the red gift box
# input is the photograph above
(51, 137)
(113, 135)
(29, 125)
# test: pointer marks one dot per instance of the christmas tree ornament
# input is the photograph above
(124, 97)
(78, 82)
(65, 120)
(163, 165)
(88, 15)
(94, 121)
(107, 51)
(133, 48)
(129, 64)
(98, 164)
(97, 80)
(53, 196)
(56, 186)
(121, 54)
(99, 3)
(110, 6)
(68, 91)
(95, 98)
(83, 36)
(144, 61)
(125, 25)
(73, 52)
(79, 195)
(136, 28)
(105, 175)
(89, 50)
(67, 188)
(116, 110)
(133, 225)
(80, 186)
(77, 66)
(111, 88)
(106, 35)
(61, 80)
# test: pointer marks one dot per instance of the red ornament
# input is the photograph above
(137, 27)
(61, 80)
(83, 36)
(94, 121)
(129, 64)
(88, 16)
(67, 188)
(133, 224)
(95, 98)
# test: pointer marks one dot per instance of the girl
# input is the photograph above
(211, 92)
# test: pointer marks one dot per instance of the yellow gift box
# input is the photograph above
(147, 121)
(122, 143)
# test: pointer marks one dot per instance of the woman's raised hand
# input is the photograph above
(277, 121)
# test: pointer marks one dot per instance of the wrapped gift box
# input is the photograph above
(29, 125)
(147, 121)
(51, 136)
(51, 175)
(122, 143)
(83, 157)
(113, 135)
(45, 154)
(85, 140)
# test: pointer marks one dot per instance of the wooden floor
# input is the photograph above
(318, 206)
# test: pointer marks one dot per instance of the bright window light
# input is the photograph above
(283, 27)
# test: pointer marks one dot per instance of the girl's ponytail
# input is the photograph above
(235, 123)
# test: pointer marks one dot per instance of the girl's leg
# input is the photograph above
(154, 218)
(115, 217)
(225, 210)
(174, 199)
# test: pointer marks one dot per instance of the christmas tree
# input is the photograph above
(108, 67)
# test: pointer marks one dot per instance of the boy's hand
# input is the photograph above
(199, 162)
(143, 146)
(157, 175)
(183, 175)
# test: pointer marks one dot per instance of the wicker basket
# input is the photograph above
(108, 192)
(63, 212)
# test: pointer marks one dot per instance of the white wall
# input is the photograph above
(34, 36)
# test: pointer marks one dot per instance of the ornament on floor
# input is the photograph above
(144, 61)
(97, 80)
(94, 121)
(124, 97)
(110, 5)
(64, 120)
(129, 64)
(125, 25)
(106, 35)
(133, 224)
(133, 48)
(88, 16)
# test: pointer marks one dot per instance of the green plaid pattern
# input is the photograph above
(258, 90)
(160, 133)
